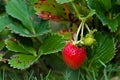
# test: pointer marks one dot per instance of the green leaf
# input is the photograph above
(2, 44)
(40, 29)
(18, 29)
(4, 21)
(52, 44)
(106, 13)
(63, 1)
(16, 46)
(19, 10)
(22, 61)
(107, 4)
(51, 10)
(103, 52)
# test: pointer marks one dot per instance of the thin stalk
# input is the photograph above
(81, 28)
(105, 74)
(3, 74)
(46, 77)
(39, 39)
(90, 64)
(89, 75)
(41, 77)
(82, 76)
(31, 75)
(88, 28)
(33, 30)
(78, 31)
(93, 73)
(82, 31)
(76, 10)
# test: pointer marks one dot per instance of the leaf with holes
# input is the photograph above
(50, 10)
(19, 10)
(107, 13)
(53, 43)
(16, 46)
(103, 52)
(22, 61)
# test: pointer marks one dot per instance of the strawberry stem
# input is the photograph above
(82, 31)
(81, 28)
(76, 10)
(78, 31)
(88, 28)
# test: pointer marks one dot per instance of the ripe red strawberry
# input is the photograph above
(73, 56)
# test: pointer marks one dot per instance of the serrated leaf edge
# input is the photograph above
(27, 35)
(62, 37)
(27, 65)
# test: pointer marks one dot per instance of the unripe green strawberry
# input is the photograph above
(89, 40)
(73, 56)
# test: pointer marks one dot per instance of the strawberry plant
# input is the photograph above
(59, 39)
